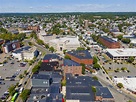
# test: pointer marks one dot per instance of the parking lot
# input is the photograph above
(12, 70)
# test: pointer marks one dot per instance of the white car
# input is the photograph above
(1, 64)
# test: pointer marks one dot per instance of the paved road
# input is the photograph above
(117, 94)
(26, 82)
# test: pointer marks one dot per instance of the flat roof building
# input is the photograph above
(108, 42)
(66, 43)
(25, 53)
(121, 54)
(81, 57)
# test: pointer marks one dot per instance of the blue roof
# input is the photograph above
(108, 39)
(83, 54)
(50, 56)
(68, 62)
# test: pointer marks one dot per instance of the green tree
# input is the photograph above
(11, 90)
(52, 49)
(20, 76)
(126, 40)
(94, 89)
(40, 42)
(67, 57)
(47, 46)
(95, 60)
(120, 85)
(95, 78)
(131, 59)
(25, 72)
(24, 95)
(63, 83)
(83, 68)
(36, 68)
(96, 66)
(120, 37)
(80, 48)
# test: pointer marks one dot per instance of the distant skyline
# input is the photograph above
(53, 6)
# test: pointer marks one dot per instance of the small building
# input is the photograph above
(108, 42)
(51, 58)
(25, 53)
(72, 67)
(116, 34)
(10, 46)
(81, 57)
(49, 66)
(34, 28)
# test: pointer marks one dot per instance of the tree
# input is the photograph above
(40, 42)
(52, 49)
(95, 60)
(24, 95)
(47, 46)
(36, 68)
(67, 57)
(123, 68)
(95, 78)
(80, 48)
(63, 83)
(120, 37)
(96, 66)
(11, 90)
(20, 76)
(83, 68)
(131, 59)
(126, 40)
(94, 89)
(25, 72)
(120, 85)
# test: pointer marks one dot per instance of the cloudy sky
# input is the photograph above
(45, 6)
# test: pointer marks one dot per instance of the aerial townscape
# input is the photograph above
(69, 56)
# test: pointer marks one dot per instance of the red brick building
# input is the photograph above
(34, 28)
(81, 57)
(72, 67)
(10, 46)
(108, 42)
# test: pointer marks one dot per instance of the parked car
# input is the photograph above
(2, 83)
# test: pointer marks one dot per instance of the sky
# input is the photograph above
(52, 6)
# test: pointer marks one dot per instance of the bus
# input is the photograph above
(14, 97)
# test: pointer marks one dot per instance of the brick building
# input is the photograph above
(10, 46)
(108, 42)
(72, 67)
(81, 57)
(34, 28)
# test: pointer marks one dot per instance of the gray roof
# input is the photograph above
(84, 94)
(67, 62)
(81, 81)
(104, 92)
(40, 83)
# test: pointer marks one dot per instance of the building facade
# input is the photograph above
(10, 46)
(108, 42)
(81, 57)
(66, 43)
(72, 67)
